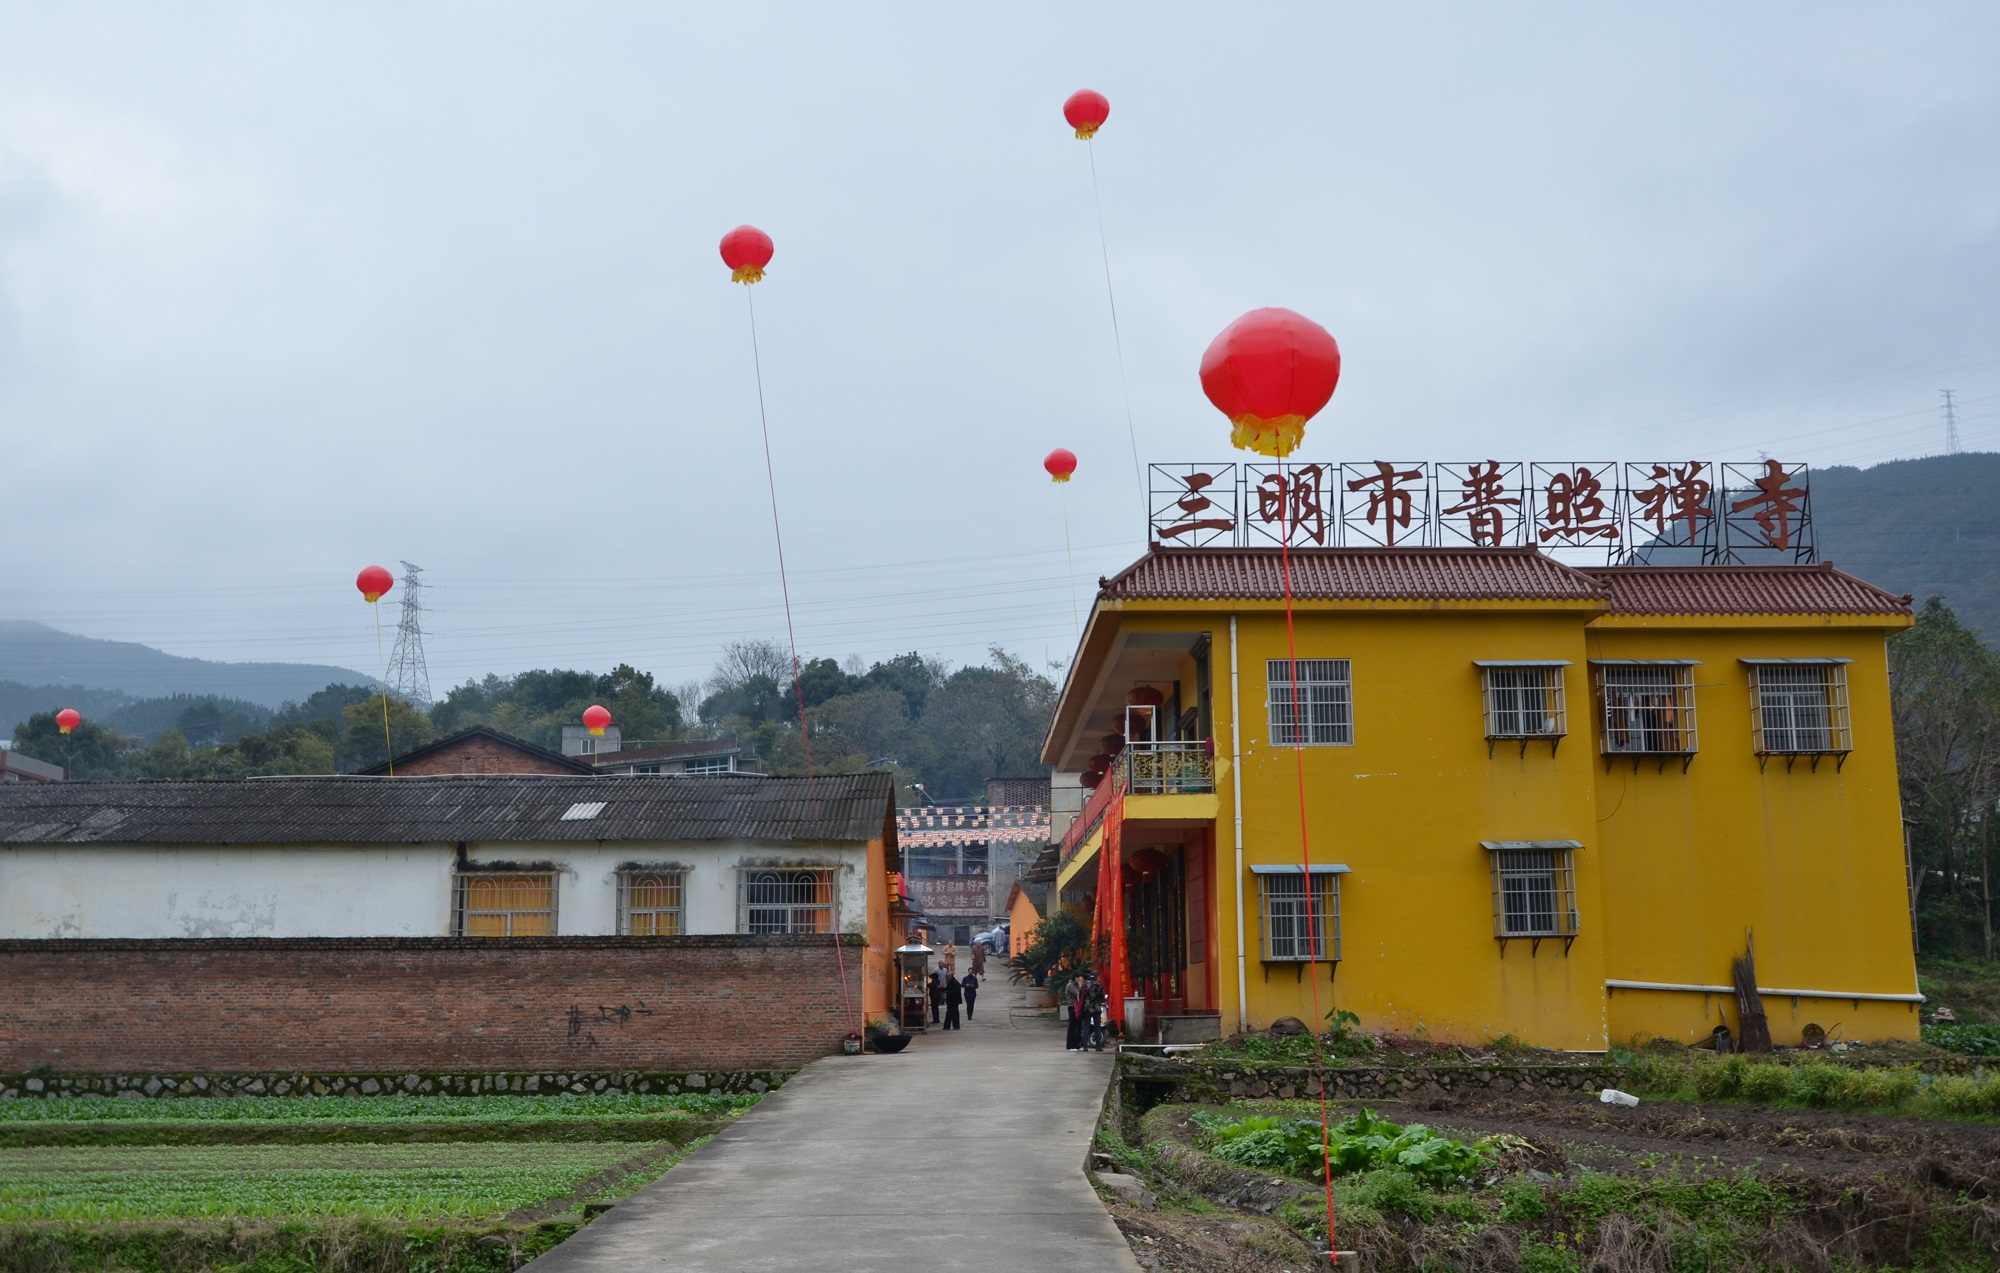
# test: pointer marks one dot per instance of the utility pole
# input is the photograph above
(1951, 446)
(409, 678)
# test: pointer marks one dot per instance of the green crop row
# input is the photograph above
(1814, 1085)
(369, 1109)
(397, 1181)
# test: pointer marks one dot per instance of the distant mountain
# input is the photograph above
(39, 656)
(1927, 527)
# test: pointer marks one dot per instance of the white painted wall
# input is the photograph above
(363, 890)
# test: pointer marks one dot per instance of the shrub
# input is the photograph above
(1653, 1073)
(1361, 1144)
(1720, 1078)
(1972, 1094)
(1765, 1082)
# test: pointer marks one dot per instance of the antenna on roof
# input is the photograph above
(409, 678)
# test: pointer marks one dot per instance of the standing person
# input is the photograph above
(1071, 999)
(971, 987)
(937, 992)
(951, 958)
(954, 994)
(978, 962)
(1096, 1002)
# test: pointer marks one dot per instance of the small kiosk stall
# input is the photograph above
(913, 967)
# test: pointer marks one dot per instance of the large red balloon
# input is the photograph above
(1086, 110)
(746, 250)
(374, 582)
(595, 718)
(1060, 463)
(1270, 371)
(68, 718)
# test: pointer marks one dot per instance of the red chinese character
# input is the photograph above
(1389, 497)
(1677, 495)
(1294, 503)
(1193, 504)
(1575, 507)
(1775, 504)
(1482, 497)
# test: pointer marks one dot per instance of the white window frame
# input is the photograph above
(750, 880)
(707, 765)
(1646, 707)
(1504, 685)
(461, 911)
(1326, 687)
(1281, 898)
(631, 875)
(1524, 872)
(1782, 691)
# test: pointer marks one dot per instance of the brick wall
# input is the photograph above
(480, 756)
(423, 1004)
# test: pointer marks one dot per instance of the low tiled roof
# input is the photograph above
(1328, 574)
(431, 810)
(1742, 590)
(521, 745)
(671, 751)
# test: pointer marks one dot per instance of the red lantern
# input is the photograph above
(1112, 744)
(374, 583)
(1270, 371)
(1101, 762)
(1145, 696)
(746, 250)
(1086, 111)
(68, 719)
(1060, 463)
(595, 718)
(1092, 778)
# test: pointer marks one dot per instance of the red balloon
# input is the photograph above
(68, 718)
(1270, 371)
(746, 250)
(374, 582)
(595, 718)
(1086, 111)
(1060, 463)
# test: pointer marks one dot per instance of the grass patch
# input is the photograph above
(368, 1109)
(1291, 1051)
(1814, 1085)
(1969, 987)
(349, 1245)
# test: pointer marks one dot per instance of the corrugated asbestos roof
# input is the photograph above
(484, 809)
(1343, 574)
(1742, 590)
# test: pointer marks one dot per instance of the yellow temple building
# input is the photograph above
(1545, 801)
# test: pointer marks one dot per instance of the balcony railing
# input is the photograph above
(1168, 769)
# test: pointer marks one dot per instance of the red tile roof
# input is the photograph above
(1323, 574)
(1742, 590)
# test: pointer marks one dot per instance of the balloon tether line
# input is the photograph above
(1117, 341)
(1069, 558)
(785, 590)
(1299, 723)
(387, 746)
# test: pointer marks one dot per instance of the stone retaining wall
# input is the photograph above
(578, 1083)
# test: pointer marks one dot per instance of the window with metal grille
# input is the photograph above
(1322, 715)
(785, 901)
(505, 904)
(1524, 700)
(1648, 708)
(1534, 889)
(1800, 708)
(1288, 935)
(652, 903)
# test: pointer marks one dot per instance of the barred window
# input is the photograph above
(652, 903)
(1800, 707)
(1289, 935)
(505, 904)
(1648, 708)
(1534, 888)
(1523, 700)
(785, 901)
(1323, 715)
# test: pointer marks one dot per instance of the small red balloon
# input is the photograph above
(1086, 110)
(374, 582)
(1270, 371)
(746, 250)
(1060, 463)
(595, 718)
(68, 719)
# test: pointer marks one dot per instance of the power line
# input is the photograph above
(408, 676)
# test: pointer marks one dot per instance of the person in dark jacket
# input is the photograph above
(970, 982)
(954, 994)
(937, 993)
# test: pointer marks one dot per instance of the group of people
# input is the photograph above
(1083, 1000)
(949, 990)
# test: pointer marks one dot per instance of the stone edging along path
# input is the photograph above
(395, 1083)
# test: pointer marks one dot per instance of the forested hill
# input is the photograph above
(35, 654)
(1927, 527)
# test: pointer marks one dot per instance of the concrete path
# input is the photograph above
(965, 1151)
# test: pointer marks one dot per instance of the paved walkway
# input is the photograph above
(965, 1151)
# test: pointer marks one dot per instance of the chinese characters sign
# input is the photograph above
(1668, 512)
(950, 894)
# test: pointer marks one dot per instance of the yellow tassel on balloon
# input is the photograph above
(1086, 132)
(747, 274)
(1278, 436)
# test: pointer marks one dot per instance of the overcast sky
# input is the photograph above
(286, 289)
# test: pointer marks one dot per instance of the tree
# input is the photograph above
(984, 722)
(744, 661)
(1945, 696)
(90, 751)
(363, 744)
(326, 704)
(820, 680)
(1058, 950)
